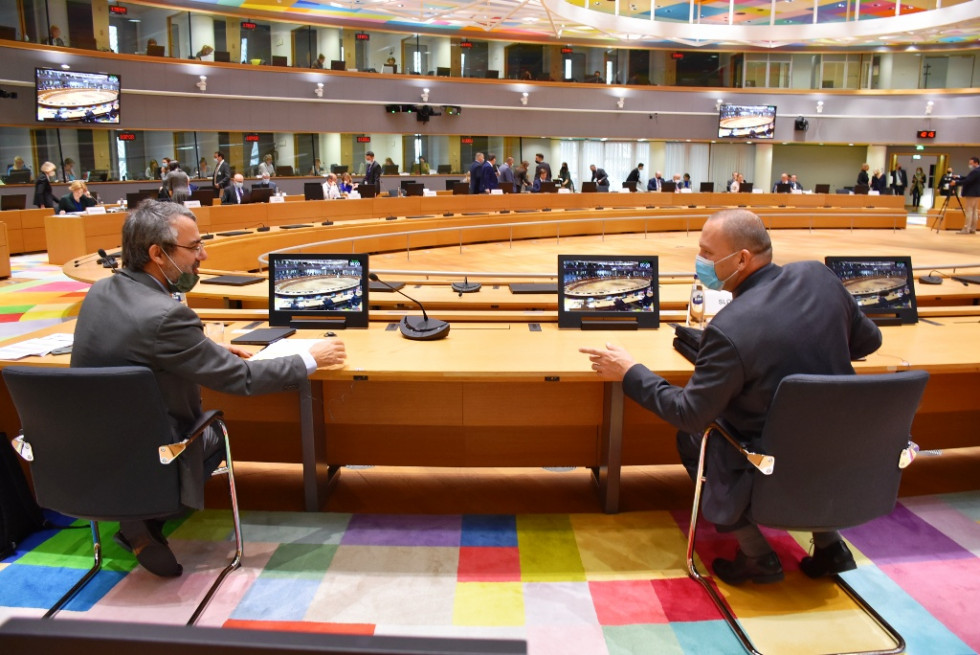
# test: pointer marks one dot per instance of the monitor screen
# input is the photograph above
(746, 121)
(668, 187)
(589, 187)
(608, 291)
(317, 290)
(883, 286)
(75, 97)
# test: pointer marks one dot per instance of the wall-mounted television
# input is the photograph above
(883, 286)
(746, 121)
(318, 290)
(67, 96)
(608, 292)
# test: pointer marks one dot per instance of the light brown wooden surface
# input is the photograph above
(4, 251)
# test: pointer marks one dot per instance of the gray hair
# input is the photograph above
(151, 223)
(744, 230)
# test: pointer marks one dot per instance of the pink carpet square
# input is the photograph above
(948, 589)
(489, 564)
(683, 599)
(625, 602)
(65, 286)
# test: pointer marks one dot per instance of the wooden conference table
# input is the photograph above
(499, 394)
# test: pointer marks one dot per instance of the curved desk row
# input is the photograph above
(501, 395)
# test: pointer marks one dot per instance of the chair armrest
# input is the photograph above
(908, 454)
(170, 452)
(764, 463)
(23, 447)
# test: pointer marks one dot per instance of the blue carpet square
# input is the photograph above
(277, 599)
(489, 530)
(42, 586)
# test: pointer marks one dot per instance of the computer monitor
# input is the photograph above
(548, 187)
(389, 169)
(338, 65)
(13, 201)
(22, 176)
(443, 71)
(98, 176)
(883, 286)
(279, 60)
(284, 171)
(861, 189)
(367, 190)
(389, 69)
(414, 189)
(155, 50)
(318, 290)
(444, 169)
(312, 191)
(590, 187)
(338, 170)
(745, 187)
(668, 187)
(784, 187)
(460, 188)
(608, 292)
(203, 196)
(506, 187)
(821, 188)
(222, 55)
(402, 183)
(630, 185)
(707, 187)
(134, 199)
(260, 194)
(492, 75)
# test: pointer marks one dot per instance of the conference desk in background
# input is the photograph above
(501, 395)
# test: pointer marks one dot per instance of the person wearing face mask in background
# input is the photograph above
(234, 193)
(133, 318)
(43, 195)
(796, 318)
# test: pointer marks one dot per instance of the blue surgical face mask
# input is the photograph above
(705, 268)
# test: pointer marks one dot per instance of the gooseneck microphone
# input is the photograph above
(424, 329)
(107, 261)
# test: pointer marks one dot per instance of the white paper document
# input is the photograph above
(284, 348)
(37, 347)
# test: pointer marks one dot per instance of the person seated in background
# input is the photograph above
(206, 53)
(54, 37)
(783, 179)
(319, 62)
(542, 177)
(267, 166)
(69, 168)
(595, 78)
(18, 165)
(565, 177)
(794, 184)
(734, 178)
(656, 182)
(264, 183)
(346, 183)
(234, 193)
(43, 195)
(77, 200)
(315, 169)
(152, 170)
(423, 166)
(331, 191)
(737, 183)
(202, 169)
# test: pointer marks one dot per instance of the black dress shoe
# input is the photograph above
(155, 557)
(155, 527)
(760, 570)
(831, 560)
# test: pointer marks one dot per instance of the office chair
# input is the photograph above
(107, 453)
(830, 456)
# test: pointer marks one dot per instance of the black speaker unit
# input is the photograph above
(801, 124)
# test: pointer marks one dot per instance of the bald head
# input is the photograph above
(737, 241)
(743, 230)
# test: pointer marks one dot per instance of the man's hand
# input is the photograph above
(329, 353)
(235, 350)
(611, 363)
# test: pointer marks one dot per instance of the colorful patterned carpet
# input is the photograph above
(36, 295)
(568, 584)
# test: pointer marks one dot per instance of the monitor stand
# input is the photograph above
(610, 324)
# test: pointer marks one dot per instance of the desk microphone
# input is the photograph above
(107, 261)
(411, 327)
(465, 286)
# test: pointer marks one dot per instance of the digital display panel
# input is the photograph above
(608, 287)
(883, 287)
(318, 289)
(746, 121)
(66, 96)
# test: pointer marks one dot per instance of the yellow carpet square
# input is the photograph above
(630, 546)
(489, 603)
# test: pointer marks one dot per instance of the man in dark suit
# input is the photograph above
(265, 183)
(812, 325)
(372, 171)
(540, 163)
(476, 174)
(600, 178)
(656, 182)
(235, 194)
(222, 173)
(900, 180)
(794, 183)
(634, 175)
(489, 174)
(135, 318)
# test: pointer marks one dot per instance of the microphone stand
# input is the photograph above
(413, 328)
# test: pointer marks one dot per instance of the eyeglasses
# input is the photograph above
(196, 248)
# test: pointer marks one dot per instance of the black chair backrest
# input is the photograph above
(821, 188)
(95, 434)
(13, 201)
(313, 191)
(836, 440)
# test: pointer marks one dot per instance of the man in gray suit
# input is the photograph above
(811, 325)
(135, 318)
(506, 172)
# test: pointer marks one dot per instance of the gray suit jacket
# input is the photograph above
(129, 320)
(783, 320)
